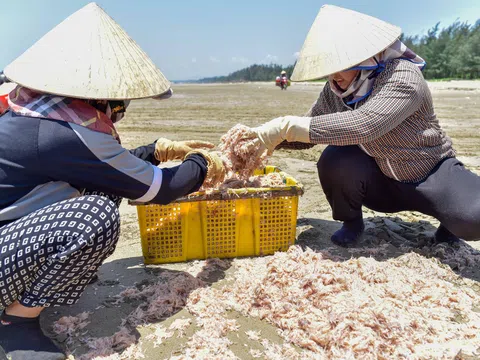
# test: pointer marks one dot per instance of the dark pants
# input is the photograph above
(352, 179)
(48, 257)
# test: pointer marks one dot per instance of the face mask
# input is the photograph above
(116, 109)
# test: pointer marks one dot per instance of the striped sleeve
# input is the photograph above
(396, 96)
(103, 164)
(88, 159)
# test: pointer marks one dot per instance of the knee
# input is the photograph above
(340, 162)
(470, 234)
(465, 232)
(466, 227)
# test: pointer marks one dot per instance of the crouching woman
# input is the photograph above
(63, 173)
(387, 150)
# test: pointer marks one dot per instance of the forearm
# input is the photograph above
(146, 153)
(345, 128)
(181, 180)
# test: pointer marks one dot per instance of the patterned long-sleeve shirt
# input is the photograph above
(396, 124)
(43, 161)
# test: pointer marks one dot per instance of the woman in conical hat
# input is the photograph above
(63, 170)
(386, 149)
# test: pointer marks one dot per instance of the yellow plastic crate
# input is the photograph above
(242, 222)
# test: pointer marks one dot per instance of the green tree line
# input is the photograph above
(450, 52)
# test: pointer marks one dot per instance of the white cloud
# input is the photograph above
(194, 60)
(241, 59)
(214, 59)
(269, 59)
(296, 54)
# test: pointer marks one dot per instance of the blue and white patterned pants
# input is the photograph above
(48, 257)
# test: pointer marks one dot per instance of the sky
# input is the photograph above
(191, 39)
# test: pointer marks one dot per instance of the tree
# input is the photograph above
(451, 52)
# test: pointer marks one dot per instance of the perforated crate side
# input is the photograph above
(162, 229)
(220, 228)
(277, 224)
(240, 224)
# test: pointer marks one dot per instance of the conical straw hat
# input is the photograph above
(88, 56)
(339, 39)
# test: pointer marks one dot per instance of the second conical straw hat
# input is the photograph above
(88, 56)
(339, 39)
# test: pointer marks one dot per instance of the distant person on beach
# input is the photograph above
(282, 80)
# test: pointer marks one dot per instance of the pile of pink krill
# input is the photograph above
(406, 307)
(242, 154)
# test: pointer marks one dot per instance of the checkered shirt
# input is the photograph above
(396, 124)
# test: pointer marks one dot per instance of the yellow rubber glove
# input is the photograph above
(215, 167)
(289, 128)
(176, 150)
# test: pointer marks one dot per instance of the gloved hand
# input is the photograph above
(176, 150)
(215, 166)
(289, 128)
